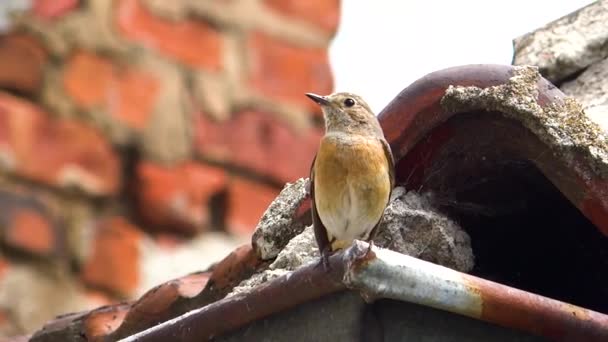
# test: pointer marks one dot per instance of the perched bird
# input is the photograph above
(352, 174)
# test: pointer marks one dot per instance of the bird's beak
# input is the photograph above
(321, 100)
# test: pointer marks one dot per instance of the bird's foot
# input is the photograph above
(324, 262)
(369, 248)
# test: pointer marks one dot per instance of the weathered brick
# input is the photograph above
(23, 58)
(127, 94)
(27, 223)
(177, 197)
(87, 78)
(247, 201)
(260, 142)
(4, 266)
(137, 96)
(51, 9)
(6, 326)
(32, 232)
(321, 13)
(114, 261)
(282, 71)
(63, 153)
(190, 41)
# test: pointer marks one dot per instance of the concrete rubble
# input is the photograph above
(276, 227)
(572, 53)
(411, 225)
(591, 89)
(567, 45)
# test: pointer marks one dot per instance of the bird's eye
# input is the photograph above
(348, 102)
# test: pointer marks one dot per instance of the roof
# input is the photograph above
(387, 274)
(453, 122)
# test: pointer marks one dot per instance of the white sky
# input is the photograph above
(384, 45)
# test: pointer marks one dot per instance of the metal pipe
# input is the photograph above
(396, 276)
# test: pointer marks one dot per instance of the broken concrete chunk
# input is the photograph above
(300, 251)
(599, 115)
(567, 45)
(412, 226)
(590, 88)
(278, 226)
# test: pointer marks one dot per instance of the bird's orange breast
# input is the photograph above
(352, 186)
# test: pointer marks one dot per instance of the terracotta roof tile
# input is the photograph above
(161, 303)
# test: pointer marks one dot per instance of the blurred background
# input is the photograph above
(141, 140)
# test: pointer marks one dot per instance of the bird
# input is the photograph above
(352, 174)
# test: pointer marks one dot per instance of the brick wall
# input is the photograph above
(142, 139)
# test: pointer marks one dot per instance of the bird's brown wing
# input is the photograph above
(391, 174)
(319, 228)
(391, 162)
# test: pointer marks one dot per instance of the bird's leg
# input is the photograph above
(324, 260)
(369, 248)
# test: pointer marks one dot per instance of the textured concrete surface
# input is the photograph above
(563, 126)
(567, 45)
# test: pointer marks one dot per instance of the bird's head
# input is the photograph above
(347, 112)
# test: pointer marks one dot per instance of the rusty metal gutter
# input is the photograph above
(396, 276)
(387, 274)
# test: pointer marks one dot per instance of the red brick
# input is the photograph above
(32, 232)
(127, 94)
(137, 97)
(8, 326)
(260, 142)
(4, 266)
(114, 262)
(192, 42)
(51, 9)
(4, 319)
(247, 201)
(284, 72)
(178, 197)
(55, 152)
(87, 78)
(23, 59)
(321, 13)
(96, 298)
(27, 224)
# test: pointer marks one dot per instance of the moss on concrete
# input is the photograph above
(562, 125)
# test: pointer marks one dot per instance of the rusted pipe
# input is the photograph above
(396, 276)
